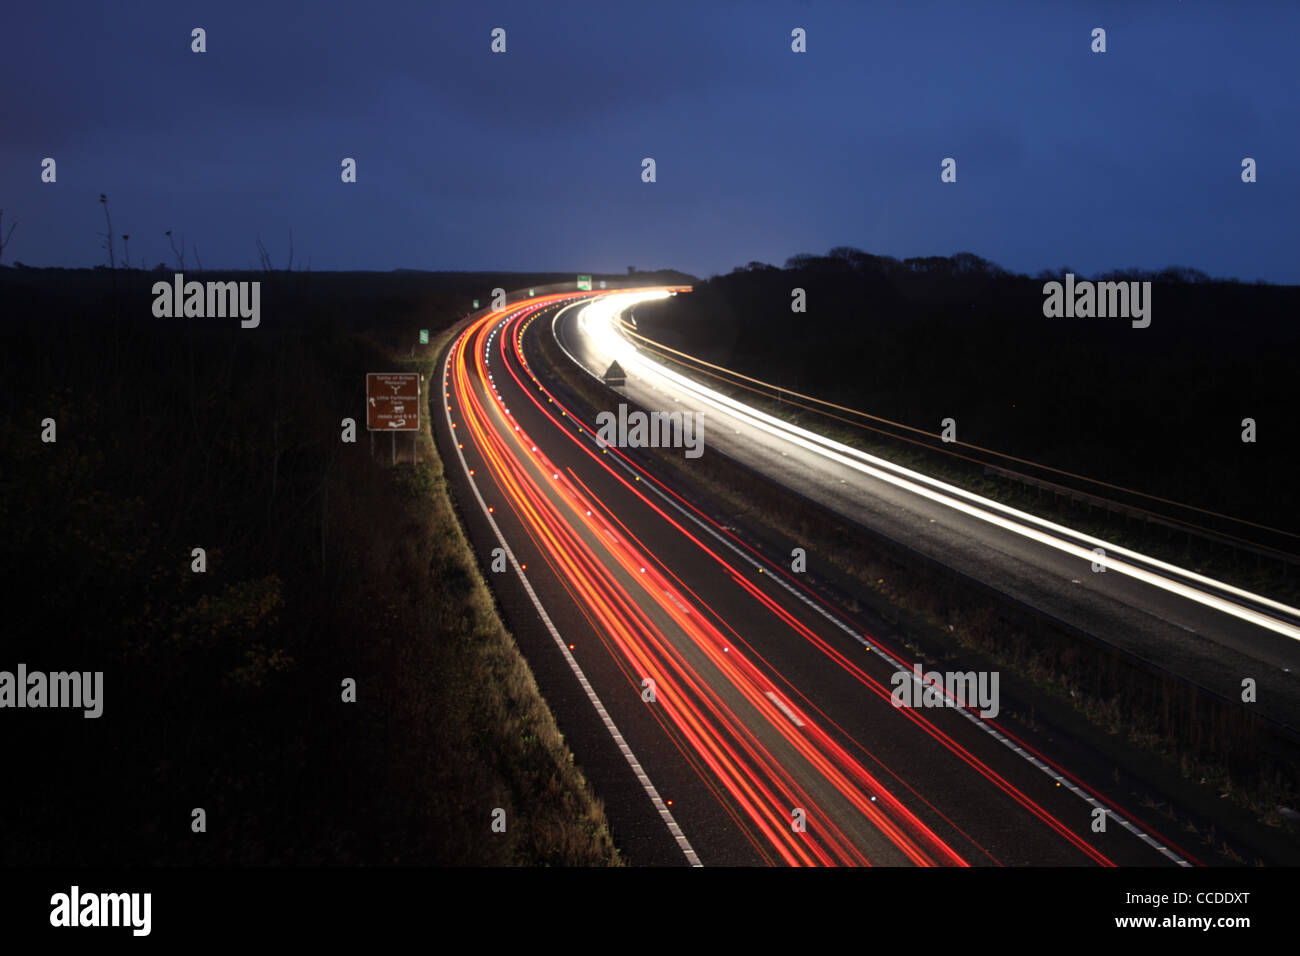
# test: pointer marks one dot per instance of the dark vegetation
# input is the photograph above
(223, 689)
(1156, 410)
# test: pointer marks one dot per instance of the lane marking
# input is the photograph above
(835, 620)
(664, 813)
(784, 709)
(948, 495)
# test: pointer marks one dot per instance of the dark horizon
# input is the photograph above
(1172, 272)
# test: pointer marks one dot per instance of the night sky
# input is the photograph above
(531, 159)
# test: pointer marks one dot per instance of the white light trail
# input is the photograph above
(597, 320)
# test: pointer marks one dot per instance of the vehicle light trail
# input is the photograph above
(760, 749)
(757, 742)
(766, 777)
(806, 595)
(945, 740)
(598, 321)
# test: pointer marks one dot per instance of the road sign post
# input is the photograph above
(393, 405)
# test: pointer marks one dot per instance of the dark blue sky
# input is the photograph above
(532, 159)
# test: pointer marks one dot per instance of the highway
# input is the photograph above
(726, 714)
(1174, 617)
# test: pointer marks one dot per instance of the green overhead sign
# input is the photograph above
(476, 303)
(584, 283)
(424, 336)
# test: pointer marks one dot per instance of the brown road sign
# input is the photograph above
(393, 401)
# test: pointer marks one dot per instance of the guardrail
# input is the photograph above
(1147, 517)
(1140, 514)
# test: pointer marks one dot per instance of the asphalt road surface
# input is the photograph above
(724, 712)
(1198, 628)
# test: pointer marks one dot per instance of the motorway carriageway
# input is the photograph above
(1198, 628)
(769, 707)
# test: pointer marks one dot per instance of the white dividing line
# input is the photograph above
(955, 501)
(664, 813)
(609, 338)
(784, 709)
(680, 606)
(774, 576)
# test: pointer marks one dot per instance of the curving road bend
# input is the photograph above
(1202, 629)
(725, 713)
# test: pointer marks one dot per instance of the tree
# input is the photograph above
(112, 262)
(180, 256)
(965, 263)
(4, 239)
(929, 265)
(264, 257)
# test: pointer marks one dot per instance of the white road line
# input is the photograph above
(664, 813)
(1053, 535)
(983, 725)
(784, 709)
